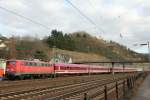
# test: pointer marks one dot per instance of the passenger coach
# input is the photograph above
(62, 68)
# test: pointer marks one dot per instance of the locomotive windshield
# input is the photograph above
(11, 63)
(2, 64)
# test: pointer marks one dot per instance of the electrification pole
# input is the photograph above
(54, 60)
(54, 54)
(148, 49)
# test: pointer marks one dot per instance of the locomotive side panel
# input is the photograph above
(31, 67)
(23, 68)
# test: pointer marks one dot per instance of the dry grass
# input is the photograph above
(79, 56)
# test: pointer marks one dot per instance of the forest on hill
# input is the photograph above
(84, 42)
(28, 47)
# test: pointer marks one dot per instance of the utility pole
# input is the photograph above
(54, 54)
(112, 68)
(123, 65)
(54, 60)
(148, 49)
(88, 49)
(89, 69)
(12, 48)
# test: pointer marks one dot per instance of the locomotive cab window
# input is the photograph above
(11, 63)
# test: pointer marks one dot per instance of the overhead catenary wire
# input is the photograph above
(35, 22)
(24, 17)
(84, 15)
(93, 7)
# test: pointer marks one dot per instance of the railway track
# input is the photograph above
(68, 91)
(13, 86)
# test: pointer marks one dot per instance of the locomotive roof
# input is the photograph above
(28, 60)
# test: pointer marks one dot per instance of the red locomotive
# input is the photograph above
(27, 68)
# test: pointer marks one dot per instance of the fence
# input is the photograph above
(115, 90)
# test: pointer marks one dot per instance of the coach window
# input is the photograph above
(62, 67)
(68, 68)
(49, 65)
(39, 64)
(65, 67)
(30, 63)
(45, 65)
(34, 64)
(42, 64)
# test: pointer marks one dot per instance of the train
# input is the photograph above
(36, 69)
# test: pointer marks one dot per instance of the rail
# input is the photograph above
(104, 89)
(114, 90)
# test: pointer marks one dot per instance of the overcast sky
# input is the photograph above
(130, 18)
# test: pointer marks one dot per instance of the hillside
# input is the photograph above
(109, 49)
(83, 42)
(80, 46)
(79, 56)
